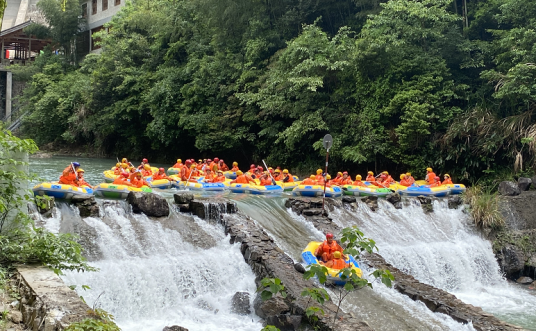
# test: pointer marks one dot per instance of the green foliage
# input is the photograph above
(356, 243)
(20, 241)
(100, 320)
(269, 328)
(271, 287)
(484, 207)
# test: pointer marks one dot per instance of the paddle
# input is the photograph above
(74, 170)
(273, 180)
(327, 143)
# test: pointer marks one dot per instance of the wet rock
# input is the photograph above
(285, 322)
(299, 268)
(311, 212)
(533, 285)
(524, 280)
(272, 307)
(184, 208)
(393, 198)
(426, 203)
(45, 205)
(240, 303)
(15, 316)
(511, 260)
(204, 305)
(86, 204)
(183, 198)
(454, 201)
(174, 328)
(150, 204)
(197, 208)
(509, 188)
(347, 199)
(371, 202)
(524, 183)
(533, 182)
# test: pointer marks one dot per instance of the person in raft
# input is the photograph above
(337, 262)
(81, 180)
(242, 179)
(325, 251)
(179, 164)
(161, 174)
(447, 180)
(69, 175)
(430, 176)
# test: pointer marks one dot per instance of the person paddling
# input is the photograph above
(69, 175)
(81, 180)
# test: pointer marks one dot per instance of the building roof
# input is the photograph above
(15, 36)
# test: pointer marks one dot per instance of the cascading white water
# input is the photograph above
(152, 276)
(383, 308)
(444, 250)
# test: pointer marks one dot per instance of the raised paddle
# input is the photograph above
(273, 180)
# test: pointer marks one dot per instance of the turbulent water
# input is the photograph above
(181, 270)
(154, 273)
(443, 249)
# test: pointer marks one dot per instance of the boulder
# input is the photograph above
(174, 328)
(426, 203)
(86, 204)
(533, 285)
(285, 322)
(299, 268)
(454, 201)
(150, 204)
(371, 202)
(347, 199)
(524, 280)
(183, 198)
(533, 182)
(395, 199)
(240, 303)
(311, 212)
(524, 183)
(197, 208)
(184, 208)
(511, 260)
(509, 188)
(45, 204)
(272, 307)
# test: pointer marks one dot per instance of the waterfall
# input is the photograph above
(443, 249)
(173, 271)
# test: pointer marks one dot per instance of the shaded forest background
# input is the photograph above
(400, 85)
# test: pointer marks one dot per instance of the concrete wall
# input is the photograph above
(102, 16)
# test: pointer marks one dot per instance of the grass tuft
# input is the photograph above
(484, 207)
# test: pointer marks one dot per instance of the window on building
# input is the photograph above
(84, 10)
(104, 4)
(93, 7)
(117, 2)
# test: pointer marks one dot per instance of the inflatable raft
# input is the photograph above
(333, 274)
(269, 189)
(60, 191)
(230, 174)
(317, 191)
(109, 176)
(287, 186)
(173, 171)
(162, 184)
(415, 191)
(199, 186)
(456, 188)
(365, 191)
(112, 191)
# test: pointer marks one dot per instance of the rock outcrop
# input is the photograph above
(86, 204)
(150, 204)
(435, 299)
(174, 328)
(524, 183)
(240, 303)
(395, 199)
(509, 189)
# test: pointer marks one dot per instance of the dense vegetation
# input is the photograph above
(400, 85)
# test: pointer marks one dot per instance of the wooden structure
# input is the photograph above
(15, 39)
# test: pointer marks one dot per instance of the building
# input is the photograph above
(97, 13)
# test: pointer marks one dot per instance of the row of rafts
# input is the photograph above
(181, 270)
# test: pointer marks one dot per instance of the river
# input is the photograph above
(147, 281)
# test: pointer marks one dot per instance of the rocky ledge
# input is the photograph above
(435, 299)
(266, 259)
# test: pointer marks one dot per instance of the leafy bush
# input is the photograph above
(20, 240)
(100, 320)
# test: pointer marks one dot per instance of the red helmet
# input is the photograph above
(161, 169)
(192, 160)
(221, 161)
(216, 159)
(345, 173)
(260, 168)
(188, 162)
(329, 235)
(145, 161)
(125, 174)
(383, 176)
(252, 166)
(209, 160)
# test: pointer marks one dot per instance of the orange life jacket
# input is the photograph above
(158, 176)
(235, 169)
(266, 182)
(68, 177)
(146, 173)
(122, 181)
(290, 178)
(223, 167)
(308, 181)
(447, 181)
(430, 178)
(185, 173)
(405, 182)
(371, 178)
(337, 180)
(389, 180)
(411, 179)
(241, 179)
(320, 178)
(359, 183)
(327, 248)
(178, 165)
(338, 264)
(219, 179)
